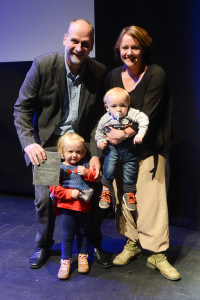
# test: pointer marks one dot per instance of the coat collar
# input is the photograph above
(60, 74)
(87, 83)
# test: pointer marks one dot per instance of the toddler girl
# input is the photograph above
(73, 200)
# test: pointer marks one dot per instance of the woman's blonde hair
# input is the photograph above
(141, 35)
(69, 138)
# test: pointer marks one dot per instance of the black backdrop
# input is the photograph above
(15, 178)
(174, 27)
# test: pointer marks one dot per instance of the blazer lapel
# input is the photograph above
(60, 76)
(85, 89)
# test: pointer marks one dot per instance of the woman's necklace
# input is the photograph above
(136, 76)
(131, 79)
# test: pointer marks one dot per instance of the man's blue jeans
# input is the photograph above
(125, 151)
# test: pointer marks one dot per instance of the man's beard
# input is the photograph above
(74, 59)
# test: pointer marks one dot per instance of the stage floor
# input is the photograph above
(133, 281)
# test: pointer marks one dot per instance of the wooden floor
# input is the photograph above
(133, 281)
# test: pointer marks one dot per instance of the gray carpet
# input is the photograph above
(133, 281)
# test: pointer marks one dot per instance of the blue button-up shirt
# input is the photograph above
(71, 103)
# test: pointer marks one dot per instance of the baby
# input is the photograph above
(120, 116)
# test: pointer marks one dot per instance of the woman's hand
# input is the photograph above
(115, 136)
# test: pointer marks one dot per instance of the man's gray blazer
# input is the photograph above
(37, 110)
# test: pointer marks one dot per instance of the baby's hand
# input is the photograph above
(82, 170)
(103, 145)
(138, 138)
(75, 194)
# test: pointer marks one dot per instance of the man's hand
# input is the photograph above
(36, 153)
(95, 165)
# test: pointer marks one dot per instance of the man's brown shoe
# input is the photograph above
(159, 261)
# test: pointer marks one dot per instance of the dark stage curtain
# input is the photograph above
(15, 177)
(174, 27)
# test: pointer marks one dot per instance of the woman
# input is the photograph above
(148, 90)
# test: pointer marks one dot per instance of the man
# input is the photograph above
(62, 92)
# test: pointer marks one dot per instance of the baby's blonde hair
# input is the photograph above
(116, 91)
(69, 138)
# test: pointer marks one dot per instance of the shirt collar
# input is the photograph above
(69, 73)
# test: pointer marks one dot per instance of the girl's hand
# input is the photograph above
(75, 194)
(82, 170)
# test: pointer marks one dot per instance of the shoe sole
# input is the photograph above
(35, 267)
(104, 207)
(39, 265)
(103, 266)
(153, 267)
(139, 255)
(64, 278)
(131, 209)
(83, 272)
